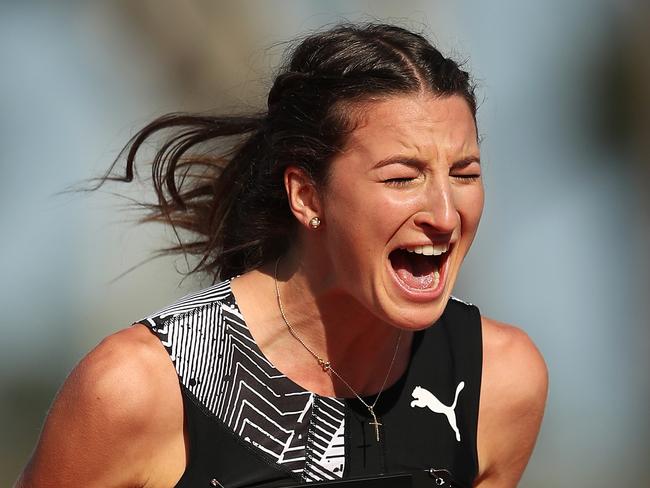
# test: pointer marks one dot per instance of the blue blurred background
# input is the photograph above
(562, 250)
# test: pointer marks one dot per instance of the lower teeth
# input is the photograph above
(417, 272)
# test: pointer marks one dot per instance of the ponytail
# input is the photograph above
(211, 180)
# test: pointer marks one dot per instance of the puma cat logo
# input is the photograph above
(424, 398)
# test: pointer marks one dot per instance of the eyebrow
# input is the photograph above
(463, 163)
(419, 163)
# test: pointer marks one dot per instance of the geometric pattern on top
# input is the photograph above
(218, 361)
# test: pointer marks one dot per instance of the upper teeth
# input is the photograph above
(429, 250)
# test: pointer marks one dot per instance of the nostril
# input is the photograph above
(441, 222)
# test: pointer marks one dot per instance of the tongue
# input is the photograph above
(416, 271)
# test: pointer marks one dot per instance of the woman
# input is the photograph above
(332, 348)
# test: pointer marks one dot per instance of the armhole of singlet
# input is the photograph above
(479, 353)
(470, 335)
(188, 425)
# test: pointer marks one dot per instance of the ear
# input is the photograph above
(303, 197)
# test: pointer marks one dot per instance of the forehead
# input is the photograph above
(417, 125)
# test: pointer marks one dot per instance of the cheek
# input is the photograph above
(368, 209)
(360, 223)
(470, 207)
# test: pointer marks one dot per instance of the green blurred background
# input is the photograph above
(562, 250)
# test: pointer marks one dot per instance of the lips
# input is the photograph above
(419, 268)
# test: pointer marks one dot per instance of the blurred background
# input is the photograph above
(562, 250)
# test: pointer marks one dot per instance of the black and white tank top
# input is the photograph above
(251, 426)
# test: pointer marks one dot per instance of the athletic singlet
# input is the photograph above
(251, 426)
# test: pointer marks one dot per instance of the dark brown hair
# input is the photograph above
(219, 179)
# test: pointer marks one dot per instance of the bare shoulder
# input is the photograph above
(508, 349)
(116, 417)
(513, 395)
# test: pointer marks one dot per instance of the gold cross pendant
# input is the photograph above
(374, 422)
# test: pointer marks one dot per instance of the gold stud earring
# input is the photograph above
(314, 223)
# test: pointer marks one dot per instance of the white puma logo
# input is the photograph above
(424, 398)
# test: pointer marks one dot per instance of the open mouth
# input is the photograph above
(419, 267)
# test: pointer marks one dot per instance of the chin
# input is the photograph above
(414, 317)
(408, 315)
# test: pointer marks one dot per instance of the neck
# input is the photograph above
(331, 323)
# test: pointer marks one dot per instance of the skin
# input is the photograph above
(409, 174)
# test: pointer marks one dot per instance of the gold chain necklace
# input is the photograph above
(327, 366)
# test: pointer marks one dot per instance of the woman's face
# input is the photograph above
(402, 206)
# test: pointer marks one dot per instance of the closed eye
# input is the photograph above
(467, 178)
(398, 181)
(466, 170)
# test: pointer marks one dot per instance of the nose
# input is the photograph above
(438, 211)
